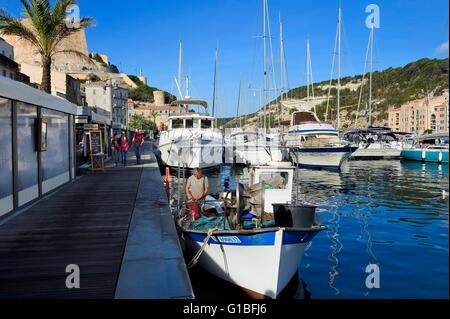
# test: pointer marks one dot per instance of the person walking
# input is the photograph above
(124, 147)
(196, 189)
(138, 140)
(115, 144)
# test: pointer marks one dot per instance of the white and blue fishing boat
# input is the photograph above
(428, 148)
(239, 241)
(315, 144)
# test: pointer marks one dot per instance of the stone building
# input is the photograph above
(112, 97)
(8, 66)
(157, 111)
(418, 116)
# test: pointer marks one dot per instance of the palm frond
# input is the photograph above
(11, 26)
(26, 8)
(62, 31)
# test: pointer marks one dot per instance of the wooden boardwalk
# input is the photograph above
(85, 223)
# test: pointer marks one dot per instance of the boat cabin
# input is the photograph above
(191, 121)
(303, 117)
(277, 181)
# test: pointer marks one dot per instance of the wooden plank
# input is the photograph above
(86, 223)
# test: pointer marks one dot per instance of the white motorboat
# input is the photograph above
(252, 147)
(315, 144)
(191, 140)
(374, 143)
(246, 242)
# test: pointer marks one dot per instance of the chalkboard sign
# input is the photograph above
(96, 148)
(96, 142)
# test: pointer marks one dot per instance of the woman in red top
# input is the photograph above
(124, 146)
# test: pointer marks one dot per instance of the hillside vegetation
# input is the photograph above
(144, 93)
(390, 88)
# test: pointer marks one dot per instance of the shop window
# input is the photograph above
(6, 171)
(55, 160)
(27, 151)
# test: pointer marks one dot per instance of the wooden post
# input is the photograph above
(168, 183)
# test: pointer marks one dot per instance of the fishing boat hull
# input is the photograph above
(261, 262)
(426, 155)
(321, 157)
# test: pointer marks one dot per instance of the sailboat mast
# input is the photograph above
(311, 80)
(265, 63)
(371, 71)
(281, 72)
(216, 56)
(180, 66)
(307, 70)
(239, 102)
(339, 72)
(310, 74)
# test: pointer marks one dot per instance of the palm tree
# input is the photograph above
(47, 28)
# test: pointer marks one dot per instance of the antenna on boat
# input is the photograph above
(216, 58)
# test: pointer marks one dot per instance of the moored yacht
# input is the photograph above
(191, 140)
(253, 147)
(315, 144)
(428, 148)
(374, 143)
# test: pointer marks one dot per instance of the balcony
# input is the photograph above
(7, 62)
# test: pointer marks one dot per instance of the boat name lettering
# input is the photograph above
(227, 239)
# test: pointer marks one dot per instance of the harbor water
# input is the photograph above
(392, 214)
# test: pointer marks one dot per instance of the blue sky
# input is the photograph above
(145, 33)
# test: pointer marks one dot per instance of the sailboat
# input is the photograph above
(373, 142)
(256, 146)
(311, 142)
(191, 139)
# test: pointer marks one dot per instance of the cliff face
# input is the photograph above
(392, 87)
